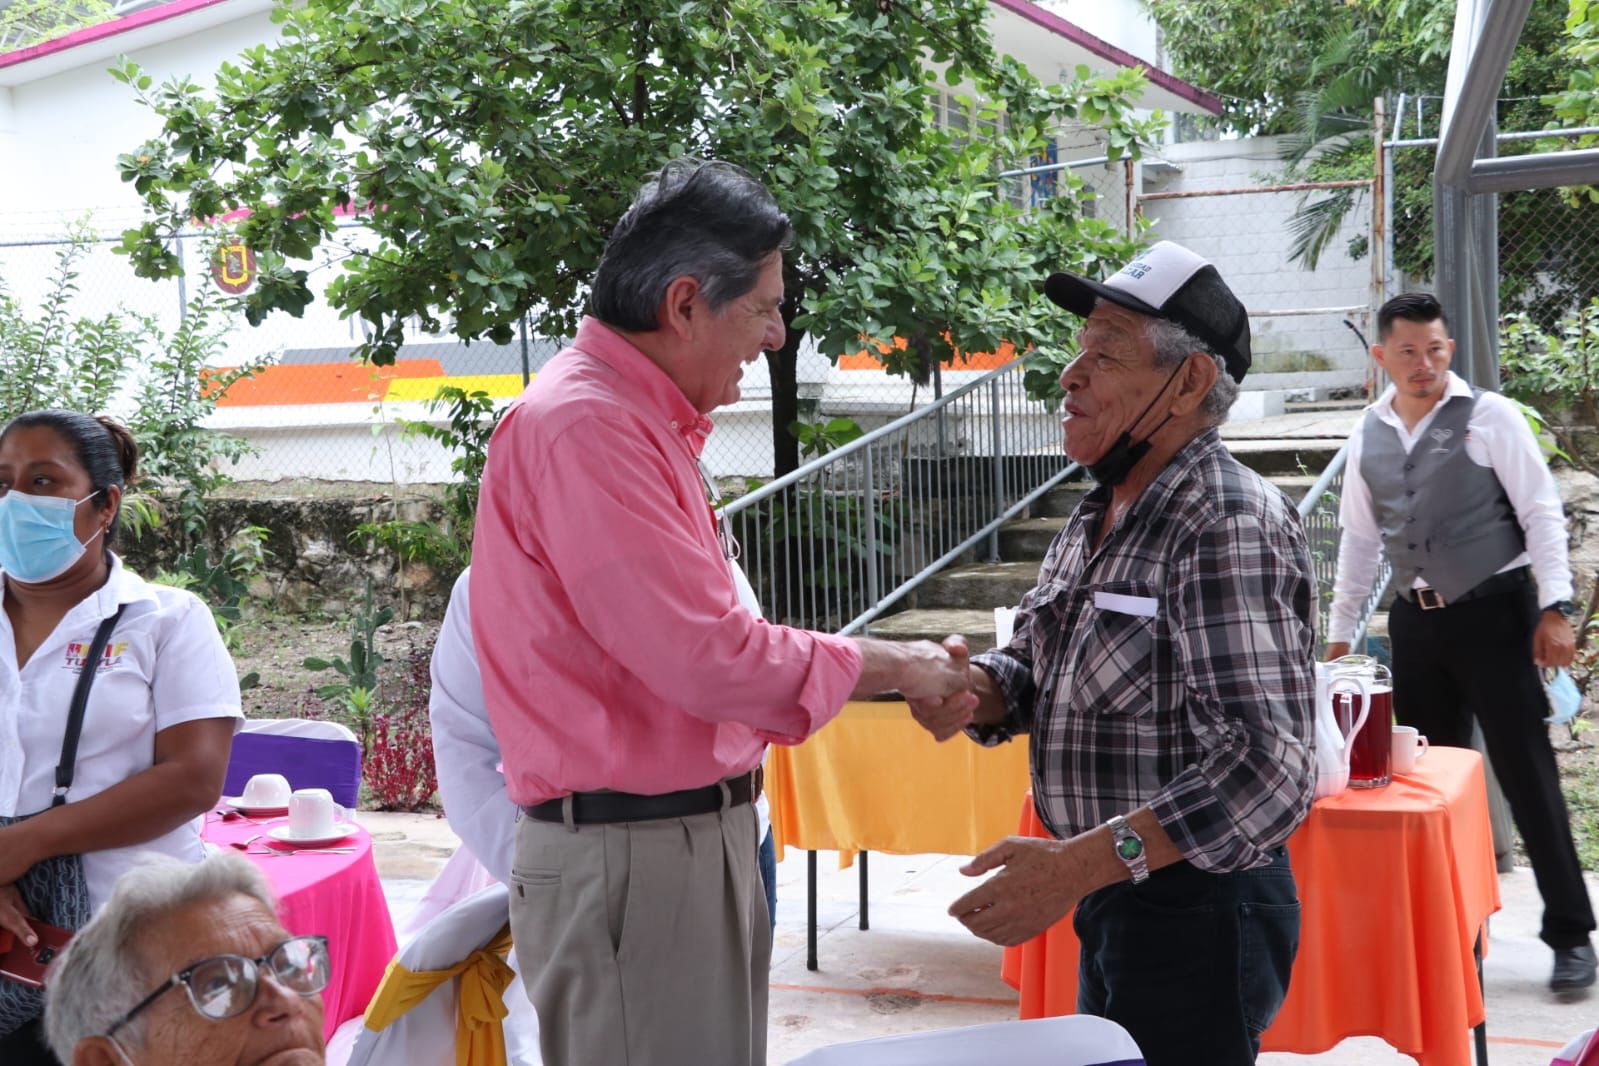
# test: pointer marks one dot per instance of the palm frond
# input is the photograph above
(1316, 223)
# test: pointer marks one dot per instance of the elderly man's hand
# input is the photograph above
(945, 716)
(1040, 882)
(14, 915)
(937, 671)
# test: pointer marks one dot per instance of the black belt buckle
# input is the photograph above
(1427, 598)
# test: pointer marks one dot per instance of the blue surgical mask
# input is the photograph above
(37, 539)
(1564, 699)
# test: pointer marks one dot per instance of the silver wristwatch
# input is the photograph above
(1129, 849)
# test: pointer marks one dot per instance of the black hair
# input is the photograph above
(1420, 307)
(710, 220)
(105, 449)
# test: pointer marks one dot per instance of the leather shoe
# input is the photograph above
(1574, 971)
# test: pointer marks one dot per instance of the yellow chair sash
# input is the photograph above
(484, 974)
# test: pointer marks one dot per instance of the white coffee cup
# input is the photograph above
(1409, 747)
(265, 790)
(313, 814)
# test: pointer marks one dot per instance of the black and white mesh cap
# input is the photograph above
(1168, 281)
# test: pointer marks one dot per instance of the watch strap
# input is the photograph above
(1129, 848)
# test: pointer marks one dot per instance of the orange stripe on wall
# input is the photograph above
(301, 383)
(865, 360)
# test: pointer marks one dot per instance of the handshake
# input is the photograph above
(937, 680)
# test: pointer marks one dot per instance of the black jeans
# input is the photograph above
(25, 1047)
(1474, 660)
(1194, 965)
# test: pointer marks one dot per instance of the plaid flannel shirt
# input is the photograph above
(1174, 666)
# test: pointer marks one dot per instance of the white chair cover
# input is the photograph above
(425, 1035)
(461, 877)
(298, 727)
(1076, 1040)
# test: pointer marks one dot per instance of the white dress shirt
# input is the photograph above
(164, 665)
(466, 754)
(1497, 437)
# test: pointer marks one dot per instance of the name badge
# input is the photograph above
(1142, 606)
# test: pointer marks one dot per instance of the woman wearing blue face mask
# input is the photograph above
(118, 701)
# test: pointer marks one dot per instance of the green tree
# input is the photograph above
(28, 22)
(1339, 58)
(491, 144)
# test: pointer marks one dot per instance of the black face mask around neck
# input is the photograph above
(1112, 468)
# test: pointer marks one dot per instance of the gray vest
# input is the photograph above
(1442, 517)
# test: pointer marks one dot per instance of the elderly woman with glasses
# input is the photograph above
(188, 964)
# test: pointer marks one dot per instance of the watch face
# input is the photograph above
(1129, 848)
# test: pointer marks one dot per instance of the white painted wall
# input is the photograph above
(1123, 23)
(1248, 239)
(74, 124)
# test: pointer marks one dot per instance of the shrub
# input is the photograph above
(398, 767)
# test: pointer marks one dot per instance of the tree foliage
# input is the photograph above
(1339, 58)
(28, 22)
(489, 145)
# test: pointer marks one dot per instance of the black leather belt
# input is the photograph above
(595, 808)
(1428, 599)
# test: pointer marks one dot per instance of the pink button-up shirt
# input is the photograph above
(614, 651)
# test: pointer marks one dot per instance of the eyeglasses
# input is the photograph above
(225, 986)
(724, 531)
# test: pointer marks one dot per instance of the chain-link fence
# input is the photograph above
(1548, 238)
(312, 412)
(1228, 202)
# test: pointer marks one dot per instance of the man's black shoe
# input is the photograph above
(1574, 971)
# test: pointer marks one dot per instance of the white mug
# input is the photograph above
(1409, 747)
(265, 790)
(313, 814)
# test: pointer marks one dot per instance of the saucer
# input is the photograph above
(238, 804)
(284, 835)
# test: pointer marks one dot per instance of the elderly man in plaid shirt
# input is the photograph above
(1164, 670)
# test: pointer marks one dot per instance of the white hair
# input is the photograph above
(1173, 344)
(101, 976)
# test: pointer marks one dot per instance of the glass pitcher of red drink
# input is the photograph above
(1371, 746)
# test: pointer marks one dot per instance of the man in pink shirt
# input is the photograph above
(631, 694)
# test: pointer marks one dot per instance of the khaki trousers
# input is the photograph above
(644, 943)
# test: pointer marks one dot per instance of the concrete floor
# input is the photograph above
(918, 969)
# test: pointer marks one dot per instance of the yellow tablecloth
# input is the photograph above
(874, 780)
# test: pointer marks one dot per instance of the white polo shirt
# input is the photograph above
(164, 665)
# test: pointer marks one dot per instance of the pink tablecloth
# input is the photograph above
(335, 895)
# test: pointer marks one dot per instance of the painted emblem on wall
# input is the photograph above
(234, 268)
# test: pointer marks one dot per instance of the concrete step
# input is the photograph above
(1290, 456)
(1295, 485)
(1029, 538)
(980, 588)
(936, 623)
(1061, 500)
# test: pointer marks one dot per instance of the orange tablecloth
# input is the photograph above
(1395, 884)
(874, 780)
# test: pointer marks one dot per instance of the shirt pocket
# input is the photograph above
(1114, 664)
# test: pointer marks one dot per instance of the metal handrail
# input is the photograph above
(861, 443)
(846, 537)
(1325, 536)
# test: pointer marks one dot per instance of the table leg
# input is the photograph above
(1482, 1029)
(810, 910)
(865, 924)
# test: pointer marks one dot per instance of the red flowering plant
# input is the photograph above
(398, 767)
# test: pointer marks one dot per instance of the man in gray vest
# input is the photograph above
(1450, 483)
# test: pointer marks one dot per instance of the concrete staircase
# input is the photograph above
(962, 599)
